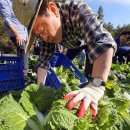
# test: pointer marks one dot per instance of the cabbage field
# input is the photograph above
(38, 107)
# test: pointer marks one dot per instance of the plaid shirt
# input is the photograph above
(79, 23)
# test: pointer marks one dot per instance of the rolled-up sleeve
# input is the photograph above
(5, 11)
(47, 50)
(96, 37)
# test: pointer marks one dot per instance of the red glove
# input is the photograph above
(89, 96)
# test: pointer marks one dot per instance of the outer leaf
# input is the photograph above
(40, 96)
(60, 118)
(13, 117)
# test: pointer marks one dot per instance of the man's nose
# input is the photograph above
(45, 39)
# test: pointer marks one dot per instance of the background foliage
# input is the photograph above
(6, 45)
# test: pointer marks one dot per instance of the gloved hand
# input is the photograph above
(89, 96)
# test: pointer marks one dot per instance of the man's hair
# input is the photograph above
(44, 6)
(125, 33)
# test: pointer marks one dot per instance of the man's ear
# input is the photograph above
(53, 8)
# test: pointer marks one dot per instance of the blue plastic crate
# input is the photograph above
(11, 73)
(52, 79)
(57, 60)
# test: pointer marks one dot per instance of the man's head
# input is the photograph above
(47, 26)
(47, 23)
(124, 36)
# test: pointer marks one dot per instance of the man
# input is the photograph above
(16, 31)
(123, 50)
(65, 24)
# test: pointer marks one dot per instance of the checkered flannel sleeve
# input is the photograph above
(95, 35)
(47, 50)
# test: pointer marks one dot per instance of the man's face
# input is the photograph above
(48, 28)
(124, 38)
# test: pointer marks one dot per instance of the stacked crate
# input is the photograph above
(11, 73)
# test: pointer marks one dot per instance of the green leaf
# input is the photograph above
(13, 116)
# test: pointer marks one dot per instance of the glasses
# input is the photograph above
(43, 34)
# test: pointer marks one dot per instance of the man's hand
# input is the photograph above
(89, 96)
(19, 40)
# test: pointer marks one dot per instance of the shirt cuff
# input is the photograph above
(44, 64)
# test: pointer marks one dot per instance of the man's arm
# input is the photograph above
(90, 95)
(100, 49)
(5, 10)
(102, 65)
(16, 34)
(41, 75)
(46, 52)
